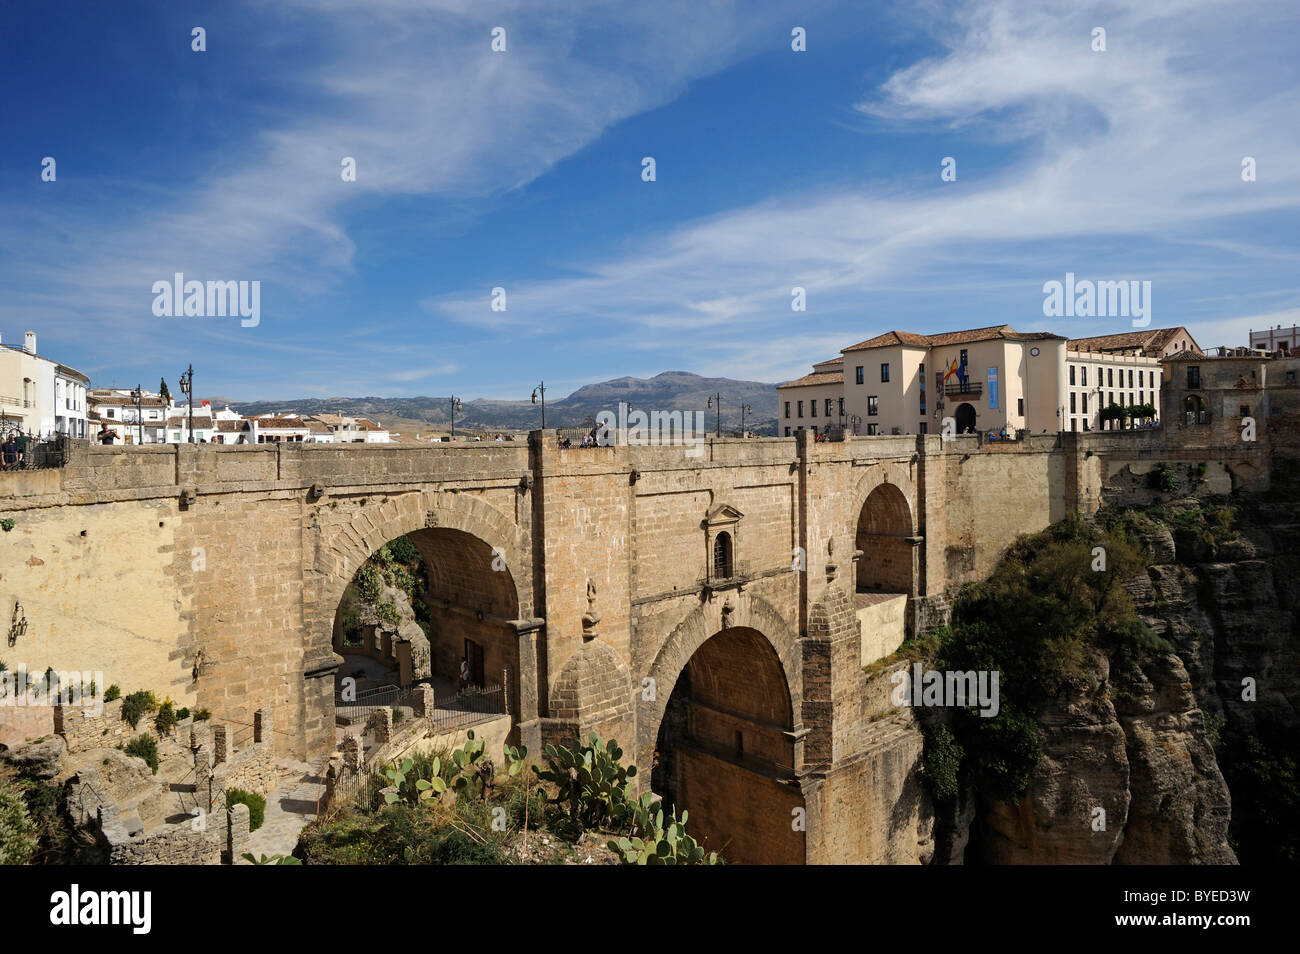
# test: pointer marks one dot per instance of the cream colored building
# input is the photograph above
(815, 401)
(985, 379)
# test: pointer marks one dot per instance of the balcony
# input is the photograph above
(971, 389)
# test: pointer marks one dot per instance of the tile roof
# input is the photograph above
(124, 401)
(970, 336)
(817, 377)
(829, 363)
(1148, 340)
(272, 422)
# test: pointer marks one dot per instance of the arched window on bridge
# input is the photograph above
(723, 568)
(721, 536)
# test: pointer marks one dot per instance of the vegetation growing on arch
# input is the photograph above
(398, 564)
(1055, 603)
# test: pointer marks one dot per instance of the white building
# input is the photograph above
(39, 396)
(116, 409)
(353, 430)
(1286, 340)
(178, 424)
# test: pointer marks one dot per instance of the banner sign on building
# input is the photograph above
(993, 389)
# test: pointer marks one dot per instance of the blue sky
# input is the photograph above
(522, 169)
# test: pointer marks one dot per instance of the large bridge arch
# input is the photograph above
(721, 721)
(447, 527)
(347, 544)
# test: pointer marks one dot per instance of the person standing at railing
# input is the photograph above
(9, 453)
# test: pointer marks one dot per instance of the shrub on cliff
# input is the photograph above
(18, 840)
(256, 806)
(403, 551)
(137, 705)
(943, 754)
(144, 747)
(166, 719)
(1164, 478)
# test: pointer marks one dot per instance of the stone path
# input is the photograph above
(290, 808)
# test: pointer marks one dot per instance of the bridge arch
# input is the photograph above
(347, 544)
(718, 732)
(884, 535)
(479, 582)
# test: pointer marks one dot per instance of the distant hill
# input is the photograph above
(669, 391)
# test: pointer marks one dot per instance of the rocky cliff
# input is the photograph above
(1182, 756)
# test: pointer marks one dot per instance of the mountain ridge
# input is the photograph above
(667, 391)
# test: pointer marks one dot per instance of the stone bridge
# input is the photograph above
(715, 613)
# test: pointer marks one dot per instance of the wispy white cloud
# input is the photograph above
(1139, 145)
(412, 91)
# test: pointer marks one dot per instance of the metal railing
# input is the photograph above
(465, 709)
(33, 454)
(367, 701)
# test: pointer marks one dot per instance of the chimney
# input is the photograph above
(29, 342)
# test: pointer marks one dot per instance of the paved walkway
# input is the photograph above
(290, 808)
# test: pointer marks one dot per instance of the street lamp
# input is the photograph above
(718, 398)
(137, 398)
(187, 388)
(744, 408)
(455, 406)
(540, 392)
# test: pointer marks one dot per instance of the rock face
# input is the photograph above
(115, 778)
(1084, 767)
(42, 758)
(1180, 807)
(405, 630)
(1222, 587)
(1127, 777)
(1228, 602)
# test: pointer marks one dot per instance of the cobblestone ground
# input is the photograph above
(289, 808)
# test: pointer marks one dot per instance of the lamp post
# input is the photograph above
(540, 392)
(744, 408)
(187, 388)
(718, 399)
(455, 406)
(137, 398)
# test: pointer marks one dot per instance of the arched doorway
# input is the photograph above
(418, 609)
(965, 415)
(725, 751)
(883, 535)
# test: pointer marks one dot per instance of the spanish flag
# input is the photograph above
(952, 369)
